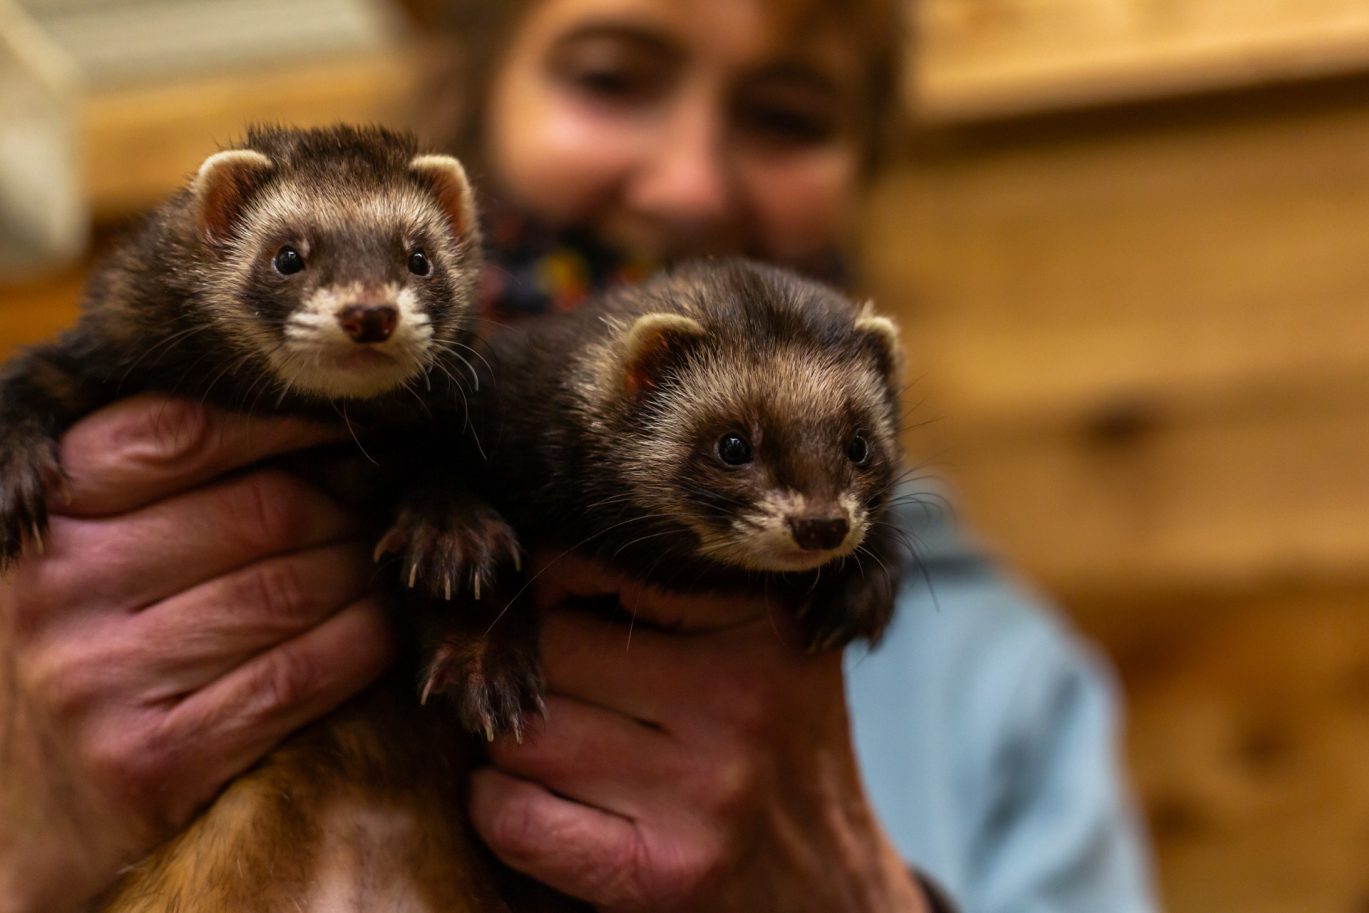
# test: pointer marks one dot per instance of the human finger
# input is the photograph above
(595, 756)
(231, 723)
(599, 661)
(147, 448)
(692, 610)
(581, 851)
(558, 578)
(219, 625)
(652, 675)
(179, 543)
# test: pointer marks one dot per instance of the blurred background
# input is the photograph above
(1129, 244)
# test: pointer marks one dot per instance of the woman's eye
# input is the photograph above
(617, 86)
(288, 261)
(859, 450)
(606, 83)
(419, 264)
(782, 125)
(612, 70)
(734, 450)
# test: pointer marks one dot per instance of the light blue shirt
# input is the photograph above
(987, 737)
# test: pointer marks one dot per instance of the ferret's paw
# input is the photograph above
(29, 470)
(494, 686)
(444, 547)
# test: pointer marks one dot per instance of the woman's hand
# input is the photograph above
(695, 761)
(184, 618)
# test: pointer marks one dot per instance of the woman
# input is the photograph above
(154, 657)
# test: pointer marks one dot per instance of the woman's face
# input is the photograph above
(677, 127)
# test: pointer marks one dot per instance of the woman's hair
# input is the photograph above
(479, 32)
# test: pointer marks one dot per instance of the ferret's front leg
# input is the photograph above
(449, 543)
(42, 394)
(484, 658)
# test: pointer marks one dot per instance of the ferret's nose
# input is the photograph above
(368, 322)
(816, 534)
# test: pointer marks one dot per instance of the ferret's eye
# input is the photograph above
(859, 450)
(734, 450)
(288, 261)
(419, 264)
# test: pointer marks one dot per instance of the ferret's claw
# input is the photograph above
(448, 545)
(29, 471)
(388, 544)
(495, 685)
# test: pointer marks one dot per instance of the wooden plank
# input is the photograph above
(1238, 502)
(1247, 737)
(995, 58)
(37, 309)
(1220, 262)
(141, 143)
(1147, 345)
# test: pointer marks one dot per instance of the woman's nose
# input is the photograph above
(683, 178)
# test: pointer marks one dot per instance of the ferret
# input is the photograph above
(727, 425)
(325, 273)
(328, 274)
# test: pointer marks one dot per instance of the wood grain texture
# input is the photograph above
(1142, 338)
(1149, 348)
(141, 143)
(994, 58)
(1248, 736)
(38, 308)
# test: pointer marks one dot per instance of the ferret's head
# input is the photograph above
(759, 409)
(342, 259)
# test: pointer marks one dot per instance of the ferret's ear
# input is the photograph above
(881, 336)
(453, 189)
(222, 187)
(651, 344)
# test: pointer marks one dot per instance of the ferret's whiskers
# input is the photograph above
(915, 555)
(452, 347)
(474, 351)
(408, 387)
(631, 542)
(352, 431)
(231, 367)
(465, 408)
(179, 336)
(609, 501)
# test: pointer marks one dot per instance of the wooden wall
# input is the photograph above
(1130, 248)
(1143, 336)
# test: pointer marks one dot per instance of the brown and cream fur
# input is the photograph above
(603, 431)
(363, 810)
(193, 304)
(361, 814)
